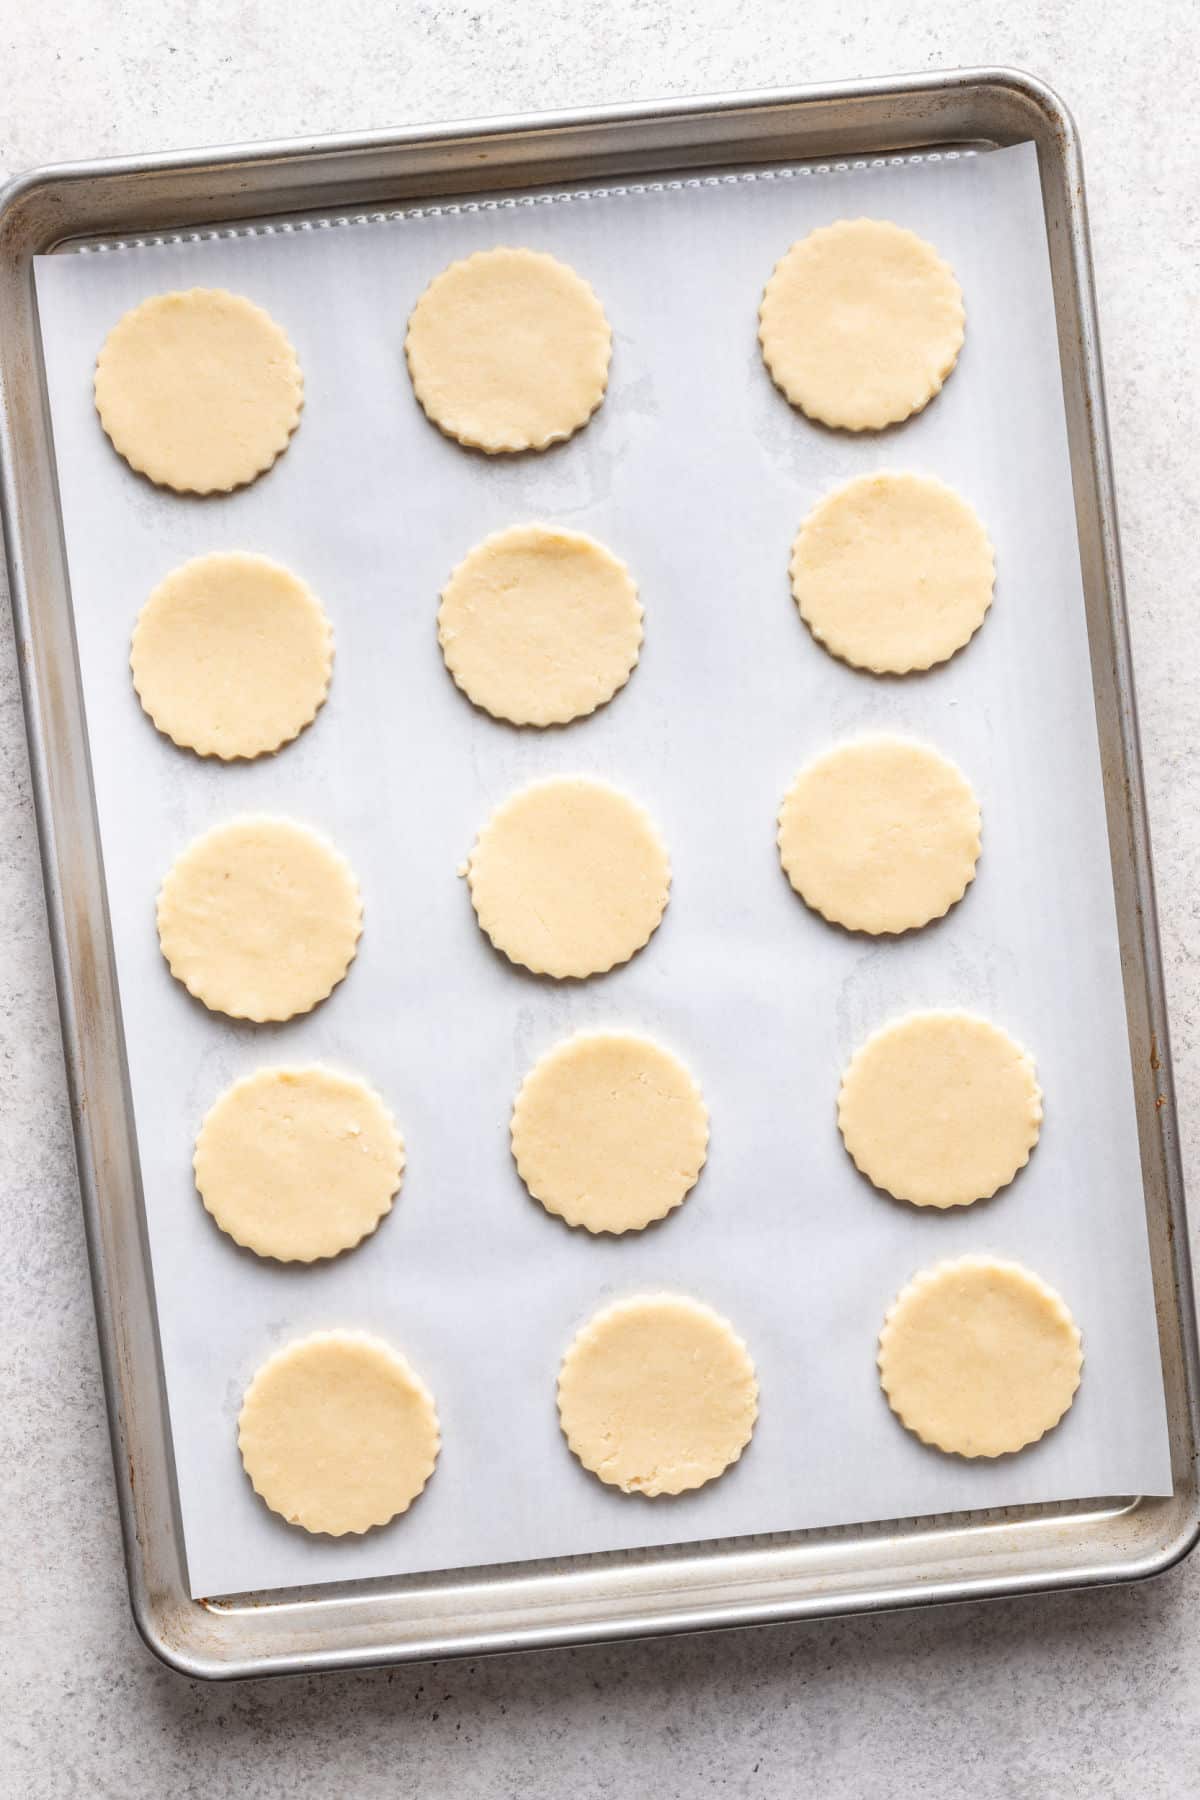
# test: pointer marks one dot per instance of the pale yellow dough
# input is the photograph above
(569, 877)
(509, 350)
(259, 918)
(540, 626)
(657, 1395)
(940, 1108)
(609, 1131)
(232, 655)
(979, 1357)
(861, 323)
(893, 573)
(200, 391)
(298, 1163)
(337, 1434)
(880, 835)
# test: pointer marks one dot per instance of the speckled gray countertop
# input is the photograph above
(1092, 1694)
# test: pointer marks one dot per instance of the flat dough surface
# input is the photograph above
(893, 573)
(880, 835)
(569, 877)
(298, 1163)
(540, 626)
(860, 324)
(200, 391)
(260, 918)
(232, 655)
(337, 1434)
(609, 1131)
(979, 1357)
(509, 350)
(657, 1395)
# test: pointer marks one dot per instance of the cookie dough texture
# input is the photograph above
(609, 1131)
(232, 655)
(979, 1357)
(940, 1108)
(298, 1163)
(199, 391)
(893, 573)
(569, 877)
(259, 918)
(880, 834)
(337, 1434)
(509, 350)
(860, 324)
(657, 1395)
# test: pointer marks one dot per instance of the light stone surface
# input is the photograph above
(1077, 1695)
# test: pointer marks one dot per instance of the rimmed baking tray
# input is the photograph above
(812, 1573)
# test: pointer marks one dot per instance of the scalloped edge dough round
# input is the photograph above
(198, 433)
(657, 1395)
(509, 350)
(860, 324)
(274, 942)
(609, 1131)
(979, 1357)
(337, 1434)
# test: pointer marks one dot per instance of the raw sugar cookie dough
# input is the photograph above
(860, 324)
(540, 626)
(569, 877)
(893, 573)
(337, 1434)
(657, 1395)
(232, 655)
(259, 918)
(979, 1357)
(199, 391)
(609, 1131)
(940, 1108)
(509, 350)
(880, 835)
(298, 1163)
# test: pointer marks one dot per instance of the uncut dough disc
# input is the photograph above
(540, 626)
(337, 1434)
(509, 350)
(231, 656)
(657, 1395)
(609, 1131)
(893, 573)
(199, 391)
(860, 324)
(298, 1163)
(940, 1108)
(979, 1357)
(569, 877)
(259, 918)
(880, 835)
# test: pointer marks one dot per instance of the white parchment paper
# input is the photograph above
(698, 473)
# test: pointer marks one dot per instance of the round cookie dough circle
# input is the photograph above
(569, 877)
(540, 626)
(509, 350)
(657, 1395)
(259, 918)
(337, 1434)
(231, 656)
(880, 835)
(940, 1108)
(609, 1131)
(893, 573)
(979, 1357)
(298, 1163)
(199, 391)
(860, 324)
